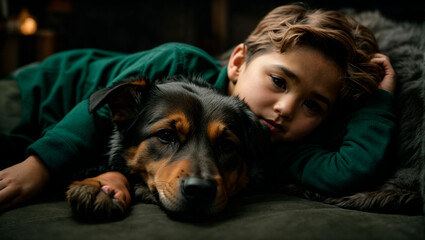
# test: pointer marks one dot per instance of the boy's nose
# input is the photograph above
(285, 107)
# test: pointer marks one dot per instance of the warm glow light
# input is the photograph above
(29, 26)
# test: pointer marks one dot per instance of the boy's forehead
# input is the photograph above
(300, 61)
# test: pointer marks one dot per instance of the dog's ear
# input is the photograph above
(124, 99)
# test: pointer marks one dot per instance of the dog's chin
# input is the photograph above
(190, 212)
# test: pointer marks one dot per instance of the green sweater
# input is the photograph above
(351, 153)
(67, 138)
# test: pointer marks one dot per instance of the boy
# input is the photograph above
(296, 71)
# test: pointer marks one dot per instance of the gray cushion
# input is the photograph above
(257, 216)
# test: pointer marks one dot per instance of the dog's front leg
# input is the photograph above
(105, 197)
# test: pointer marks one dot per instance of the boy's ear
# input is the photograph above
(124, 99)
(236, 62)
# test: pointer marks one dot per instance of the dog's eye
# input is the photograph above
(227, 146)
(166, 136)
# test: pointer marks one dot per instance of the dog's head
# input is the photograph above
(192, 147)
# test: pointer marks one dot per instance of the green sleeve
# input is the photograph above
(66, 136)
(362, 158)
(79, 140)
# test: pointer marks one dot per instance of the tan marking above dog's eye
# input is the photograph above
(177, 122)
(219, 133)
(215, 130)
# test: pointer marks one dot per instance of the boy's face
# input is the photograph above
(290, 92)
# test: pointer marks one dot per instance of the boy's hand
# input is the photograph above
(388, 82)
(105, 197)
(21, 182)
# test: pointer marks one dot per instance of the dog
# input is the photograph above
(404, 191)
(180, 143)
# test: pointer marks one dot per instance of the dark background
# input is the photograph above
(129, 26)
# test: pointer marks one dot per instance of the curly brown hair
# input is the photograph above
(341, 38)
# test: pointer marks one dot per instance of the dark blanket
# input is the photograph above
(404, 44)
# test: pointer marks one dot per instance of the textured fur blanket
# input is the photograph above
(404, 44)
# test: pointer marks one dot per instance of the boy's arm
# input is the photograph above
(22, 181)
(363, 157)
(77, 141)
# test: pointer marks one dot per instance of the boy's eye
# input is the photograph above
(279, 82)
(313, 106)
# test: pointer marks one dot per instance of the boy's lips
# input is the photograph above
(273, 126)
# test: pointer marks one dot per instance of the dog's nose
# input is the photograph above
(197, 190)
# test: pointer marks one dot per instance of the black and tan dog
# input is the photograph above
(180, 143)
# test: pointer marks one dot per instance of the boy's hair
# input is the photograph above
(341, 38)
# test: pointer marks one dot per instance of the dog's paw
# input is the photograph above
(91, 200)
